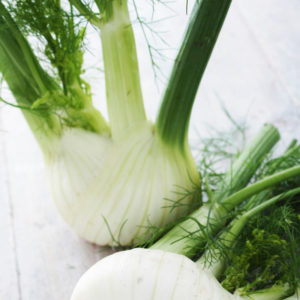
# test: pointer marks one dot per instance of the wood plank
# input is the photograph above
(9, 283)
(275, 25)
(240, 77)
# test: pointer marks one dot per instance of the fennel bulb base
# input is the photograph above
(110, 191)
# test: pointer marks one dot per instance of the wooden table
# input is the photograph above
(254, 71)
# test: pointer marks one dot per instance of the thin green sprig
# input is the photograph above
(86, 12)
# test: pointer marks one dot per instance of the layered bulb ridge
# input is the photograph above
(110, 191)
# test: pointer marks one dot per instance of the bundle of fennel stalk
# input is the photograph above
(93, 166)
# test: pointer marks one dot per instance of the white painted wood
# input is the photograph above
(254, 71)
(275, 25)
(9, 288)
(240, 77)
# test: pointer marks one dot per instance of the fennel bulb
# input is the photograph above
(142, 274)
(109, 190)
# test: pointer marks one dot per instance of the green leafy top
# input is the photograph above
(64, 96)
(267, 252)
(61, 34)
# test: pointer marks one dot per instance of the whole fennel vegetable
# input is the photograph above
(159, 274)
(108, 180)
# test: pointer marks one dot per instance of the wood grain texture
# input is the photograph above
(241, 77)
(9, 284)
(276, 29)
(254, 72)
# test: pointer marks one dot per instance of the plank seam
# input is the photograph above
(11, 214)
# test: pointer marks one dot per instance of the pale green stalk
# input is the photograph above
(122, 79)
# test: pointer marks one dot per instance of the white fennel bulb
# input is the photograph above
(144, 274)
(105, 188)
